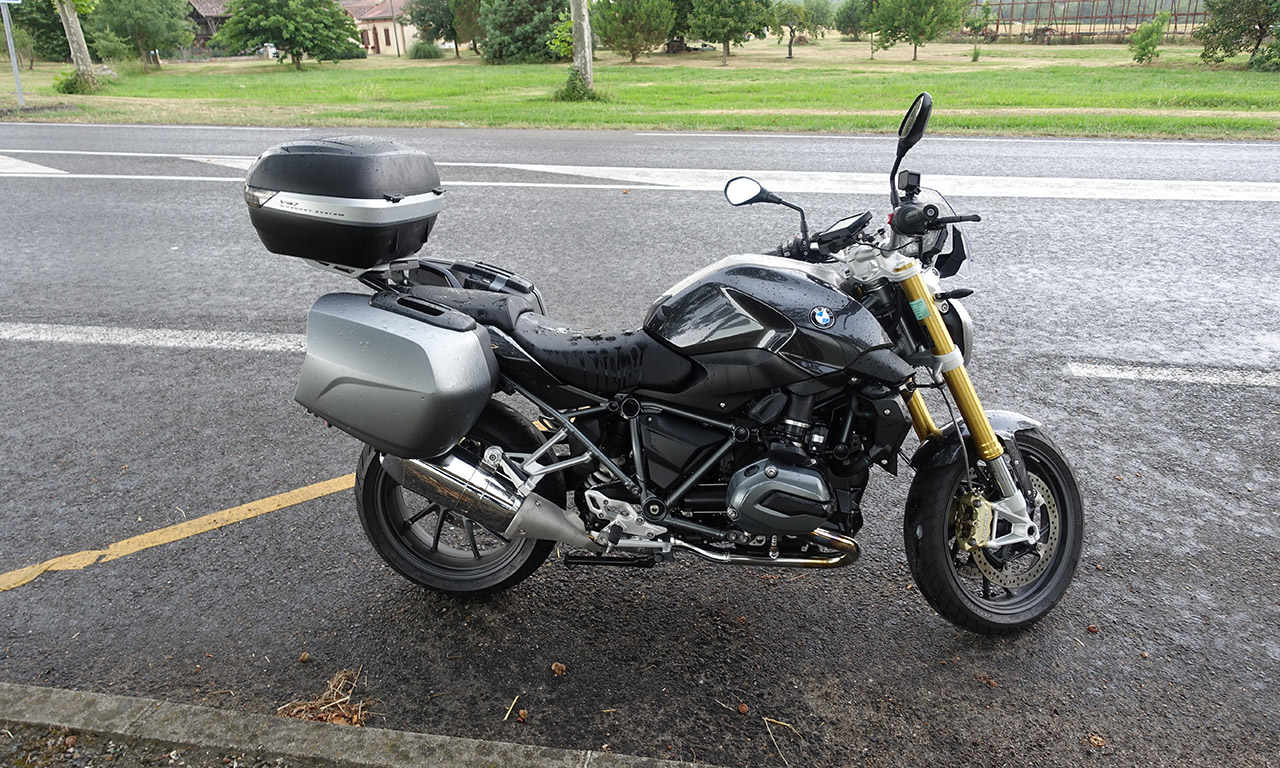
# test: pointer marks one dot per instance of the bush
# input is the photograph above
(71, 81)
(421, 49)
(561, 42)
(110, 47)
(518, 31)
(575, 89)
(1147, 37)
(1266, 58)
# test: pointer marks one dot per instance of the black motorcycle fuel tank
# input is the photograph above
(756, 322)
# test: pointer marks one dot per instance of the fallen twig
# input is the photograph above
(788, 725)
(513, 706)
(775, 741)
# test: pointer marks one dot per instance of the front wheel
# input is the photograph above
(995, 592)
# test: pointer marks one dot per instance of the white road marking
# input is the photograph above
(1233, 377)
(10, 166)
(697, 179)
(118, 177)
(165, 127)
(983, 139)
(94, 153)
(287, 342)
(709, 180)
(153, 337)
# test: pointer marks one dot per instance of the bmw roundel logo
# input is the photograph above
(822, 317)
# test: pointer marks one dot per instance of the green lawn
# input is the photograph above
(1091, 90)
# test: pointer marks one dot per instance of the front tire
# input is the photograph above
(436, 547)
(1009, 590)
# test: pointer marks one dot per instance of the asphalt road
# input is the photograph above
(1164, 651)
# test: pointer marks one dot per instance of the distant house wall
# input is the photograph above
(380, 33)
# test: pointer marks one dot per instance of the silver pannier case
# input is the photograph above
(404, 375)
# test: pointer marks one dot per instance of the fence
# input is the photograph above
(1048, 22)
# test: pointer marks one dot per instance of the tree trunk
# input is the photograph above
(457, 48)
(791, 40)
(724, 58)
(915, 49)
(137, 41)
(297, 61)
(75, 40)
(582, 52)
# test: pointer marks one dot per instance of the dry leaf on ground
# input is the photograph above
(335, 705)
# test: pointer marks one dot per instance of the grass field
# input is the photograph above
(1087, 90)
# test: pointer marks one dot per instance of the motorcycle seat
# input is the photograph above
(600, 362)
(499, 310)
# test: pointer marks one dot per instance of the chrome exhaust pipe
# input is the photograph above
(457, 482)
(849, 553)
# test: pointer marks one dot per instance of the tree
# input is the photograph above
(24, 45)
(680, 24)
(1145, 40)
(517, 31)
(632, 27)
(851, 16)
(726, 22)
(795, 19)
(69, 12)
(583, 42)
(821, 15)
(977, 19)
(1235, 25)
(297, 28)
(466, 22)
(146, 24)
(433, 19)
(48, 39)
(916, 21)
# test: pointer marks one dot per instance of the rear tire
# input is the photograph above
(437, 548)
(1010, 591)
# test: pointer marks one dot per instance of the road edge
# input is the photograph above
(206, 727)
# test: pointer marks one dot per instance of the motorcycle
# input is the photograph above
(739, 425)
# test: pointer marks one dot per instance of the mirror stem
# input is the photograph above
(893, 185)
(804, 225)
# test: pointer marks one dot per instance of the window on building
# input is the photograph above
(386, 35)
(364, 37)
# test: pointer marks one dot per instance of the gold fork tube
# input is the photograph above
(920, 417)
(957, 378)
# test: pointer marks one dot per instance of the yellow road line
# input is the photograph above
(81, 560)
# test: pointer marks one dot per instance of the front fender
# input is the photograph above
(945, 448)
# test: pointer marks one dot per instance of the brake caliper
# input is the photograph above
(973, 515)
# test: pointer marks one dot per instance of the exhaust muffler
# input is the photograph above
(459, 483)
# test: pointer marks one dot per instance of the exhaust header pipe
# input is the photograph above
(459, 483)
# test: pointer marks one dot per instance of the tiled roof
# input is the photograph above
(210, 9)
(367, 10)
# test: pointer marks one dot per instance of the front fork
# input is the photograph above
(1012, 506)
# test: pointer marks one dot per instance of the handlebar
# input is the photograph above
(827, 243)
(913, 218)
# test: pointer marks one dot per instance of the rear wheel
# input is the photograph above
(1006, 590)
(437, 548)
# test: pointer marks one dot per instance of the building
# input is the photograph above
(208, 15)
(380, 32)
